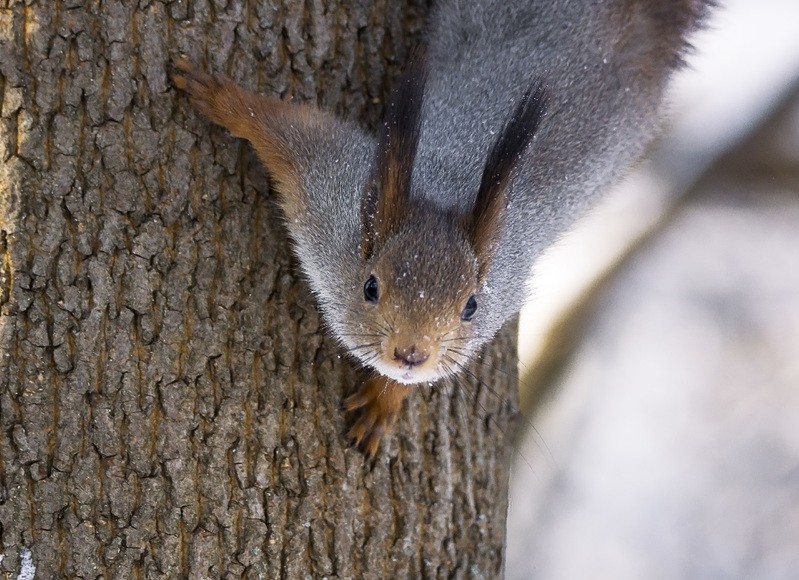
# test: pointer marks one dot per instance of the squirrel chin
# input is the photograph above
(406, 376)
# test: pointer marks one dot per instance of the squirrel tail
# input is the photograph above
(667, 26)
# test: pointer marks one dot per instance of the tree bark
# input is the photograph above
(169, 399)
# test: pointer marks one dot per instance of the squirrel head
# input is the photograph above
(424, 266)
(418, 298)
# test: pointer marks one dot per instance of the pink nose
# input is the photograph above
(410, 355)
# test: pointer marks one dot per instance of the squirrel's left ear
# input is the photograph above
(385, 200)
(484, 225)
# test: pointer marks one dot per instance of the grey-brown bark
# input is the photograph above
(169, 400)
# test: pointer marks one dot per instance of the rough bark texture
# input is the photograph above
(169, 400)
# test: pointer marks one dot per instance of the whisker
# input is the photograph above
(488, 415)
(384, 388)
(368, 345)
(460, 351)
(369, 360)
(360, 334)
(470, 338)
(482, 362)
(528, 421)
(474, 376)
(454, 385)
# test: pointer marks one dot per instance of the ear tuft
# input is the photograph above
(386, 197)
(484, 226)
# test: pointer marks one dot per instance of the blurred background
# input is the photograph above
(660, 352)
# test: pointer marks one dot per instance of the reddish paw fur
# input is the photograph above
(202, 89)
(380, 401)
(265, 122)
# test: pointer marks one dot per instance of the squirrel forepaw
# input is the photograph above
(203, 89)
(379, 400)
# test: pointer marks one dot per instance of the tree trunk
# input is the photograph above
(170, 401)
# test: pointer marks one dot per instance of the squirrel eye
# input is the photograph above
(371, 292)
(469, 309)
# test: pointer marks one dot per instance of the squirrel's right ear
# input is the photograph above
(385, 200)
(484, 225)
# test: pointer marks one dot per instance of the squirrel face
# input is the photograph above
(423, 265)
(418, 299)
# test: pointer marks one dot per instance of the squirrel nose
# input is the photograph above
(410, 356)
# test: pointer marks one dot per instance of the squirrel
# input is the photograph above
(503, 130)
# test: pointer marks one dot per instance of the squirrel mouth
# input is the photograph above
(407, 376)
(406, 373)
(406, 361)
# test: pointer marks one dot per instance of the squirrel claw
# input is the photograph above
(355, 401)
(194, 76)
(365, 440)
(360, 429)
(379, 400)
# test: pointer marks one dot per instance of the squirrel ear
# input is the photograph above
(385, 200)
(484, 226)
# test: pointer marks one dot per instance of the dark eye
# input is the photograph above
(371, 292)
(469, 309)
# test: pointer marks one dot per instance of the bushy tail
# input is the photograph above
(667, 26)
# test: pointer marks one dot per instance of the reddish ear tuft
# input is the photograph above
(385, 200)
(484, 226)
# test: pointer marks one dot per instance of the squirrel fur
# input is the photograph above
(418, 242)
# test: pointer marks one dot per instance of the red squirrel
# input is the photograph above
(418, 242)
